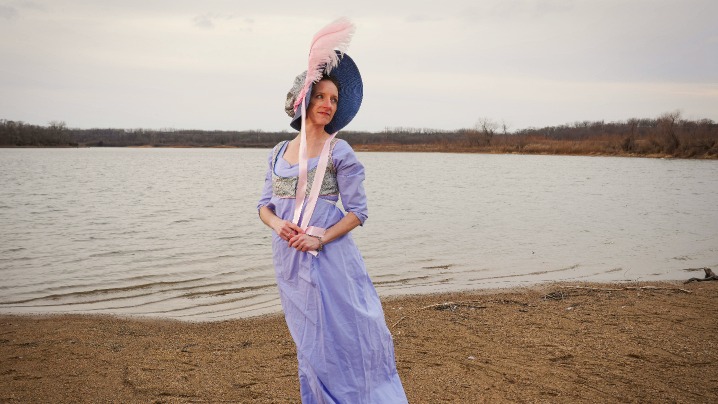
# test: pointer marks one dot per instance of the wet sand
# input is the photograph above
(550, 343)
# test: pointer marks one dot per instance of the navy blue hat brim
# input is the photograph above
(351, 92)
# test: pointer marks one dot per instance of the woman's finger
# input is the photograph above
(289, 230)
(300, 242)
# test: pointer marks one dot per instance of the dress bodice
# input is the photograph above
(286, 186)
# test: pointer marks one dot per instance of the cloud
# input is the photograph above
(551, 7)
(209, 21)
(422, 18)
(203, 21)
(13, 9)
(225, 64)
(7, 12)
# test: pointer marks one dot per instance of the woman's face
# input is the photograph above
(323, 104)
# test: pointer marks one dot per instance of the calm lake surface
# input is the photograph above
(174, 232)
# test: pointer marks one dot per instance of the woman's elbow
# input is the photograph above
(360, 217)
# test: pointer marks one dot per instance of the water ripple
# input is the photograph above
(174, 232)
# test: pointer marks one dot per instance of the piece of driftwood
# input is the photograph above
(710, 276)
(626, 288)
(451, 306)
(394, 325)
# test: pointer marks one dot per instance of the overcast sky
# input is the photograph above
(227, 65)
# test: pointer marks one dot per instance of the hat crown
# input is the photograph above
(351, 92)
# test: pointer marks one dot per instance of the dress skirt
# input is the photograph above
(344, 349)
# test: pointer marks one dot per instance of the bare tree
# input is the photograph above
(667, 131)
(486, 129)
(629, 142)
(57, 133)
(505, 127)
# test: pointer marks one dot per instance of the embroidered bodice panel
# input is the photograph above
(286, 187)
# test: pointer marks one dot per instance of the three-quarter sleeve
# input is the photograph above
(265, 199)
(350, 177)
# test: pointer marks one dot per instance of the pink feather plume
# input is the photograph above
(322, 58)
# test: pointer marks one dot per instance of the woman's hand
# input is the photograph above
(304, 242)
(286, 229)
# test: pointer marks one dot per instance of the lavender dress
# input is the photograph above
(345, 351)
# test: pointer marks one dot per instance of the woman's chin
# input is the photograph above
(321, 122)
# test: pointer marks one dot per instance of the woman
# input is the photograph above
(344, 348)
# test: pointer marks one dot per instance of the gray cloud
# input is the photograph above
(226, 64)
(7, 12)
(203, 21)
(211, 20)
(422, 18)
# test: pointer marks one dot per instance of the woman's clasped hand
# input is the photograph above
(296, 238)
(286, 229)
(304, 242)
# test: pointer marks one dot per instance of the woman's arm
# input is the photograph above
(340, 228)
(284, 228)
(304, 242)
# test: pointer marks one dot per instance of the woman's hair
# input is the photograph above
(332, 79)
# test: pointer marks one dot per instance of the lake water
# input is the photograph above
(174, 232)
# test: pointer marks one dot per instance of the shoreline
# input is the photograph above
(405, 148)
(558, 342)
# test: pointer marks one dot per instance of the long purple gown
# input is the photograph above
(344, 348)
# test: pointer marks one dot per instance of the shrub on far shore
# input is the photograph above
(667, 136)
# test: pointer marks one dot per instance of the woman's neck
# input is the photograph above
(316, 138)
(316, 132)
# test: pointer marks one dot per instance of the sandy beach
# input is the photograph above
(549, 343)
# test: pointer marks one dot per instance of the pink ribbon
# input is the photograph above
(311, 203)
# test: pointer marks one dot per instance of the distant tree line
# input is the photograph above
(667, 135)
